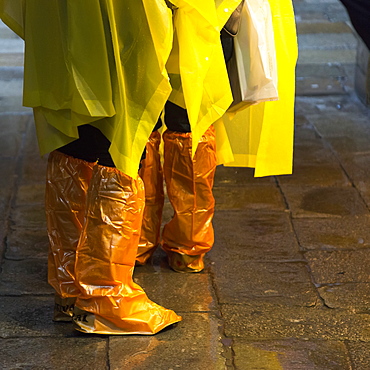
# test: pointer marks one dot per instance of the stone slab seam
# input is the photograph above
(11, 202)
(335, 153)
(312, 279)
(227, 343)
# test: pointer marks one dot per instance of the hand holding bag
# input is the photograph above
(253, 67)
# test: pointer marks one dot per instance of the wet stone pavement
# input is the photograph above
(287, 285)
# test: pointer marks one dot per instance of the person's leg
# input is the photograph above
(107, 246)
(68, 176)
(151, 173)
(189, 234)
(67, 182)
(110, 302)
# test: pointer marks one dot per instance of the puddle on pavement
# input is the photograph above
(332, 201)
(332, 242)
(260, 359)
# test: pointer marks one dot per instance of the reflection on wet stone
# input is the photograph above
(306, 201)
(254, 321)
(193, 344)
(290, 354)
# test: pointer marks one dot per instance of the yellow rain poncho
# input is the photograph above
(261, 136)
(107, 63)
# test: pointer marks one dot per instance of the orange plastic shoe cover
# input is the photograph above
(67, 181)
(109, 301)
(189, 234)
(151, 173)
(63, 308)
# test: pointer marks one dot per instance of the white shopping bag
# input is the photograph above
(253, 67)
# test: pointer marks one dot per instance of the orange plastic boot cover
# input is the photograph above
(66, 187)
(189, 234)
(110, 302)
(63, 308)
(151, 173)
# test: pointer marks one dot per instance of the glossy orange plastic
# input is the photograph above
(109, 301)
(63, 308)
(151, 173)
(189, 234)
(67, 182)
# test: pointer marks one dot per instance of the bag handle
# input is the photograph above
(233, 24)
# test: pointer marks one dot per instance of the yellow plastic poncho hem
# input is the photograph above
(63, 87)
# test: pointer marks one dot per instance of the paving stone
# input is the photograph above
(13, 88)
(26, 243)
(314, 11)
(319, 86)
(290, 354)
(305, 201)
(31, 194)
(328, 41)
(10, 74)
(310, 148)
(270, 321)
(315, 107)
(341, 105)
(31, 149)
(254, 236)
(31, 317)
(349, 125)
(249, 197)
(327, 56)
(312, 15)
(29, 216)
(240, 176)
(323, 27)
(12, 59)
(323, 75)
(13, 104)
(349, 81)
(11, 45)
(351, 232)
(7, 181)
(349, 146)
(240, 282)
(6, 33)
(352, 296)
(360, 355)
(10, 144)
(24, 277)
(336, 14)
(179, 292)
(357, 167)
(329, 267)
(320, 174)
(195, 343)
(54, 353)
(280, 282)
(14, 123)
(360, 85)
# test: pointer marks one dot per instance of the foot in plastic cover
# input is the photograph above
(63, 309)
(185, 263)
(148, 322)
